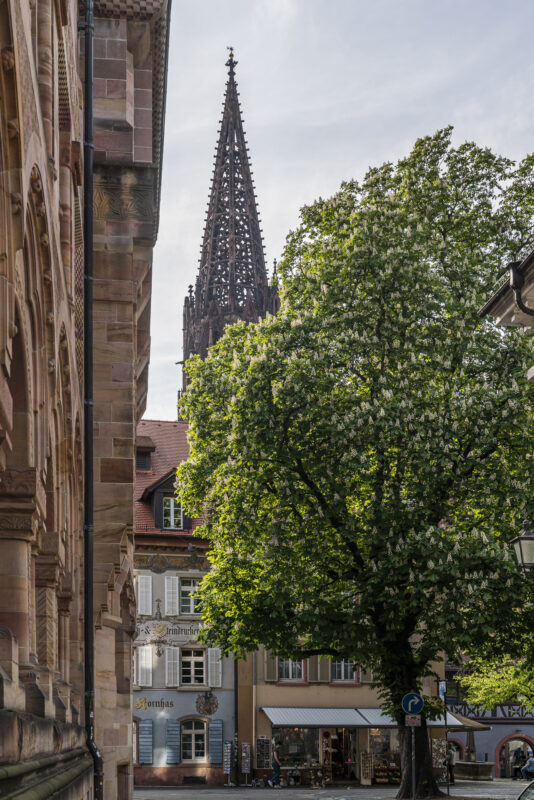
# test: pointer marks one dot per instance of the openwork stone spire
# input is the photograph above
(232, 280)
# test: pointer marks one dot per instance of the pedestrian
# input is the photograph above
(451, 759)
(527, 772)
(274, 782)
(518, 761)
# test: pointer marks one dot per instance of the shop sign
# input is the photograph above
(174, 633)
(413, 720)
(143, 704)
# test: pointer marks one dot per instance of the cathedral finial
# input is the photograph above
(231, 60)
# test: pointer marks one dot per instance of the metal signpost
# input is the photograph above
(442, 689)
(412, 705)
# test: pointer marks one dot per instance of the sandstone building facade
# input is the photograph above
(41, 376)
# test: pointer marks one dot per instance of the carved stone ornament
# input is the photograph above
(44, 239)
(52, 167)
(13, 128)
(16, 524)
(18, 482)
(16, 202)
(35, 179)
(8, 59)
(158, 564)
(40, 210)
(207, 703)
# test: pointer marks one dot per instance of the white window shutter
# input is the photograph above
(214, 667)
(144, 594)
(171, 595)
(172, 666)
(145, 665)
(134, 666)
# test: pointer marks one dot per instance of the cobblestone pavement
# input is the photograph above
(484, 790)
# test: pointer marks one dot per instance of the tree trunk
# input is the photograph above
(426, 785)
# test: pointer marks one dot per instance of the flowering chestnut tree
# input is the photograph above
(361, 459)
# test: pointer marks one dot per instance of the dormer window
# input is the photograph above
(144, 447)
(173, 517)
(142, 460)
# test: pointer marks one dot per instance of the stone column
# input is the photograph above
(64, 639)
(65, 184)
(45, 62)
(22, 504)
(47, 614)
(15, 537)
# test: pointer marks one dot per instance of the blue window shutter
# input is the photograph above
(144, 730)
(216, 741)
(173, 741)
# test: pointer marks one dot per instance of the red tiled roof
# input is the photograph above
(171, 448)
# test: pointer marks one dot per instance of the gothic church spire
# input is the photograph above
(232, 280)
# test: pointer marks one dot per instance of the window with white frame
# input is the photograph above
(144, 595)
(171, 595)
(343, 671)
(289, 670)
(172, 514)
(145, 665)
(193, 740)
(188, 603)
(193, 667)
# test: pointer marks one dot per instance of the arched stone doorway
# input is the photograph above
(505, 749)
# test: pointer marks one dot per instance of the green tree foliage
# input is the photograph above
(488, 683)
(361, 459)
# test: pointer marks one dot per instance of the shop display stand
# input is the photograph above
(366, 769)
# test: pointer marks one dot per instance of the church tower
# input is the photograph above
(232, 280)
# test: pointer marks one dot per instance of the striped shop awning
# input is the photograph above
(314, 717)
(330, 717)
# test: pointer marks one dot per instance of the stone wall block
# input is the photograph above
(116, 470)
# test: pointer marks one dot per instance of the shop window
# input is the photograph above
(172, 514)
(343, 671)
(289, 670)
(193, 667)
(193, 740)
(297, 745)
(188, 603)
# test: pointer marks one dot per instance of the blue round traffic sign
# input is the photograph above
(412, 703)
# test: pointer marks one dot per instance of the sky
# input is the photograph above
(327, 89)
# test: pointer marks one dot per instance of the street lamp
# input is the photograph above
(524, 551)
